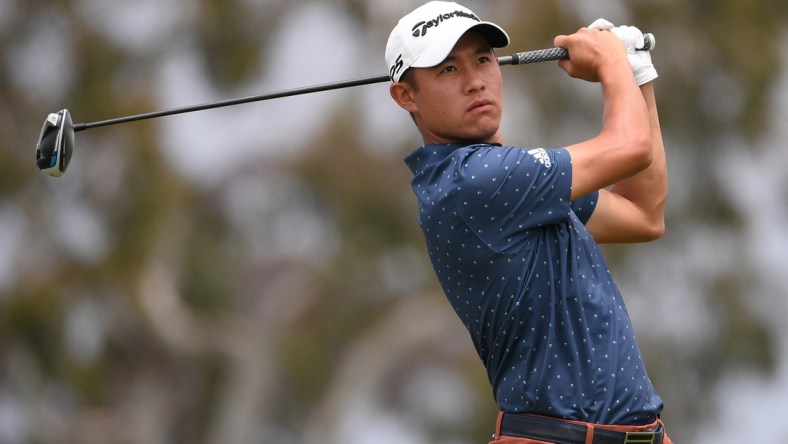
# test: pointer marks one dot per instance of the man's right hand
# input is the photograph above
(593, 55)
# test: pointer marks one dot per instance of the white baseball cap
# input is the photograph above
(426, 36)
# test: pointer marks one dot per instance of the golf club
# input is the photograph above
(56, 140)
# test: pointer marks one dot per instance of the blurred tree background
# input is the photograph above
(256, 274)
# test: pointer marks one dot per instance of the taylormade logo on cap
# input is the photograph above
(426, 36)
(421, 27)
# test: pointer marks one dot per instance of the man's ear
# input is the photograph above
(403, 94)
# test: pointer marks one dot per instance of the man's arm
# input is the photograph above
(633, 209)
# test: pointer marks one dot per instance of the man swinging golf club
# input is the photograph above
(512, 232)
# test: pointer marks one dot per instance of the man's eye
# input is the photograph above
(484, 60)
(449, 69)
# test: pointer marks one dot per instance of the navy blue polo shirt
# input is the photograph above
(527, 279)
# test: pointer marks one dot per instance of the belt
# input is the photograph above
(562, 432)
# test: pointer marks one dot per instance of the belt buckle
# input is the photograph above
(640, 437)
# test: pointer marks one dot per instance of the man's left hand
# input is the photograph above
(632, 38)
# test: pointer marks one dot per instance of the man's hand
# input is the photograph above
(632, 38)
(593, 55)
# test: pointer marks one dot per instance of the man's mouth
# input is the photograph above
(480, 106)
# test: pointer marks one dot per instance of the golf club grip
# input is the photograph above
(550, 54)
(536, 56)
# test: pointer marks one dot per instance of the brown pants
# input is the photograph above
(502, 439)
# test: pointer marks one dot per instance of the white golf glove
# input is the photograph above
(632, 38)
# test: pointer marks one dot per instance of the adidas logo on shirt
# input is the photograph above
(541, 155)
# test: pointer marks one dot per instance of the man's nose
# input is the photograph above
(474, 82)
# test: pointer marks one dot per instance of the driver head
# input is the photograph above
(55, 144)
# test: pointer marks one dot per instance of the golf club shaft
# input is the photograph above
(239, 101)
(541, 55)
(520, 58)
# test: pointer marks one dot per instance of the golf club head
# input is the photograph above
(55, 144)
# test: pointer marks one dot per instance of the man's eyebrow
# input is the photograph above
(480, 50)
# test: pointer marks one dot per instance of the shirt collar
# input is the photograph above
(429, 154)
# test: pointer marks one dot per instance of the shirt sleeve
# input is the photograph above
(585, 206)
(503, 193)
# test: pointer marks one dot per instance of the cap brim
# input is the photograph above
(435, 55)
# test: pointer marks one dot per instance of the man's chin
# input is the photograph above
(485, 128)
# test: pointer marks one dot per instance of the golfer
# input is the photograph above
(513, 232)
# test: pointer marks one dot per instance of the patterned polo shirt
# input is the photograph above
(527, 279)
